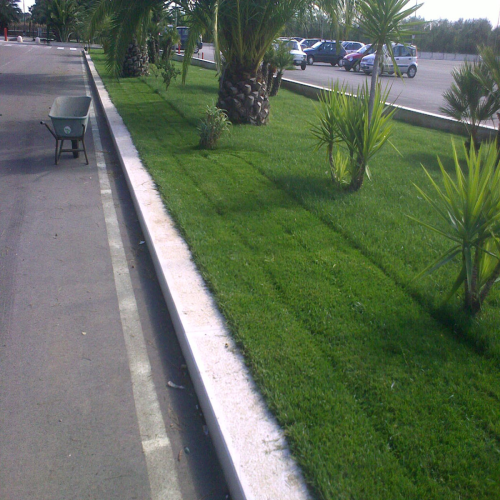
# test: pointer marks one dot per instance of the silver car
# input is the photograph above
(404, 55)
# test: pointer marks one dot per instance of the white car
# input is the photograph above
(299, 56)
(404, 55)
(352, 46)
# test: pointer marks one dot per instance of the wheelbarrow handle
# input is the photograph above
(49, 129)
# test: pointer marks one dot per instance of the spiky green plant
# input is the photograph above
(343, 121)
(468, 100)
(469, 206)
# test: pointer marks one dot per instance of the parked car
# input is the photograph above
(325, 52)
(183, 35)
(404, 55)
(299, 57)
(353, 60)
(306, 43)
(352, 46)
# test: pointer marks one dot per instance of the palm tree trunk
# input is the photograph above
(472, 297)
(136, 62)
(487, 287)
(276, 84)
(358, 176)
(244, 97)
(270, 76)
(373, 82)
(332, 167)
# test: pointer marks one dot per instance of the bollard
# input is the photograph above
(202, 55)
(20, 39)
(5, 34)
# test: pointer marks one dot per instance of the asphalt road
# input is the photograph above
(424, 92)
(71, 409)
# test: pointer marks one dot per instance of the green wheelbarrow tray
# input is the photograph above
(70, 116)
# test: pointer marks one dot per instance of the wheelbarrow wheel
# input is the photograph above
(74, 145)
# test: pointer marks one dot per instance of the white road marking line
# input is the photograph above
(60, 48)
(156, 445)
(72, 48)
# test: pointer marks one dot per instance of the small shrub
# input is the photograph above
(168, 72)
(213, 126)
(164, 70)
(343, 123)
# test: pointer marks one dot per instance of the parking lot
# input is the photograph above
(424, 92)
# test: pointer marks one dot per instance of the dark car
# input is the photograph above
(184, 35)
(353, 60)
(325, 52)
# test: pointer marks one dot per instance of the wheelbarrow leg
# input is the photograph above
(84, 149)
(60, 151)
(57, 150)
(74, 145)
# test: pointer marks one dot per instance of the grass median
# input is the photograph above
(383, 392)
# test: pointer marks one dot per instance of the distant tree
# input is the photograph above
(470, 34)
(9, 13)
(63, 18)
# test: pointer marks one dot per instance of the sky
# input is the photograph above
(452, 10)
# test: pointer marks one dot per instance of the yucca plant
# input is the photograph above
(469, 206)
(212, 127)
(343, 121)
(468, 100)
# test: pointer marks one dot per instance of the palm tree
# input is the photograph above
(128, 23)
(382, 22)
(9, 13)
(491, 78)
(469, 99)
(243, 31)
(63, 16)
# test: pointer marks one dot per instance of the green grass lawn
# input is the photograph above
(383, 392)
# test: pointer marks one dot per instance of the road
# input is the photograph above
(87, 348)
(424, 92)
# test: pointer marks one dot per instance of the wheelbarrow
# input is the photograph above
(69, 116)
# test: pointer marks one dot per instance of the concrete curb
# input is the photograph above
(403, 114)
(250, 445)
